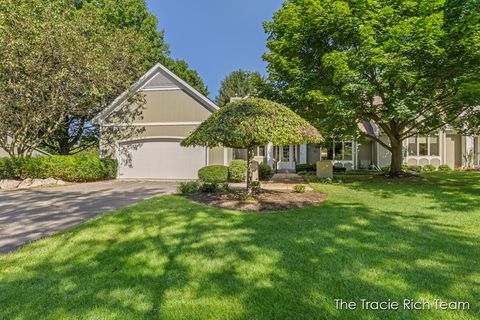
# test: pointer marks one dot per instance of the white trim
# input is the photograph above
(225, 156)
(152, 124)
(160, 89)
(149, 138)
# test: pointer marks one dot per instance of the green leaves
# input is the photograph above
(253, 122)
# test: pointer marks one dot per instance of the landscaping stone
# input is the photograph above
(25, 184)
(35, 183)
(7, 184)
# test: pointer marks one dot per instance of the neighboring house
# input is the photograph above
(147, 143)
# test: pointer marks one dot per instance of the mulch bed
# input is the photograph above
(263, 201)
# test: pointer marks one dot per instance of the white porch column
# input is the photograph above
(303, 153)
(270, 154)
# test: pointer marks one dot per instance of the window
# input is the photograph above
(347, 151)
(422, 146)
(343, 151)
(412, 146)
(261, 151)
(337, 151)
(286, 154)
(434, 146)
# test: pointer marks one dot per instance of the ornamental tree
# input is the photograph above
(410, 66)
(251, 123)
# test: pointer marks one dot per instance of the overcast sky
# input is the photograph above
(216, 37)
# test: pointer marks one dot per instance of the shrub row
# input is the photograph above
(426, 168)
(80, 168)
(236, 172)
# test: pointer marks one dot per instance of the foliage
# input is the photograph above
(308, 167)
(429, 168)
(80, 168)
(444, 168)
(251, 123)
(215, 173)
(56, 63)
(414, 168)
(299, 188)
(209, 187)
(264, 171)
(238, 84)
(256, 185)
(409, 66)
(189, 187)
(237, 171)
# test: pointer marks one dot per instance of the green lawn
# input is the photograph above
(168, 258)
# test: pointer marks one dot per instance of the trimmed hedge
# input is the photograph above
(444, 168)
(308, 167)
(429, 168)
(264, 171)
(79, 168)
(213, 174)
(237, 171)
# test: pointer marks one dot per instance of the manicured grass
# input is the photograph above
(168, 258)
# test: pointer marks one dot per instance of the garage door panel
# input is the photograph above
(159, 159)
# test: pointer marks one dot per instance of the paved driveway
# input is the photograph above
(28, 215)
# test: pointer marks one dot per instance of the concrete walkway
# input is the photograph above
(28, 215)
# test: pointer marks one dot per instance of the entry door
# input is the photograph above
(287, 158)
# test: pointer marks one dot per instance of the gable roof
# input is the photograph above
(157, 77)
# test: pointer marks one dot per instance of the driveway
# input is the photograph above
(28, 215)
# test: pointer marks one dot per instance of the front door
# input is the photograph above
(286, 158)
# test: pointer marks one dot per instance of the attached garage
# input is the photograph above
(145, 138)
(159, 159)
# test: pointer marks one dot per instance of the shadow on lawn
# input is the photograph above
(169, 258)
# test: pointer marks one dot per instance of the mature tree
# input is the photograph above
(410, 66)
(240, 84)
(132, 16)
(251, 123)
(53, 64)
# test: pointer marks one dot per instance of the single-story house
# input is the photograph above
(146, 139)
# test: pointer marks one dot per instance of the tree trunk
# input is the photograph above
(250, 153)
(397, 157)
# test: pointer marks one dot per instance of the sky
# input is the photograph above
(216, 37)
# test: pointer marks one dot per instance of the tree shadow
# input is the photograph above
(170, 258)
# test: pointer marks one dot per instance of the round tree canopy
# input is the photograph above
(250, 123)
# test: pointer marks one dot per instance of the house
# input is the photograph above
(146, 140)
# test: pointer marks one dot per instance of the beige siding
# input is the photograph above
(313, 153)
(215, 156)
(365, 153)
(163, 106)
(453, 150)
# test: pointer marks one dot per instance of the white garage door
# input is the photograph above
(159, 159)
